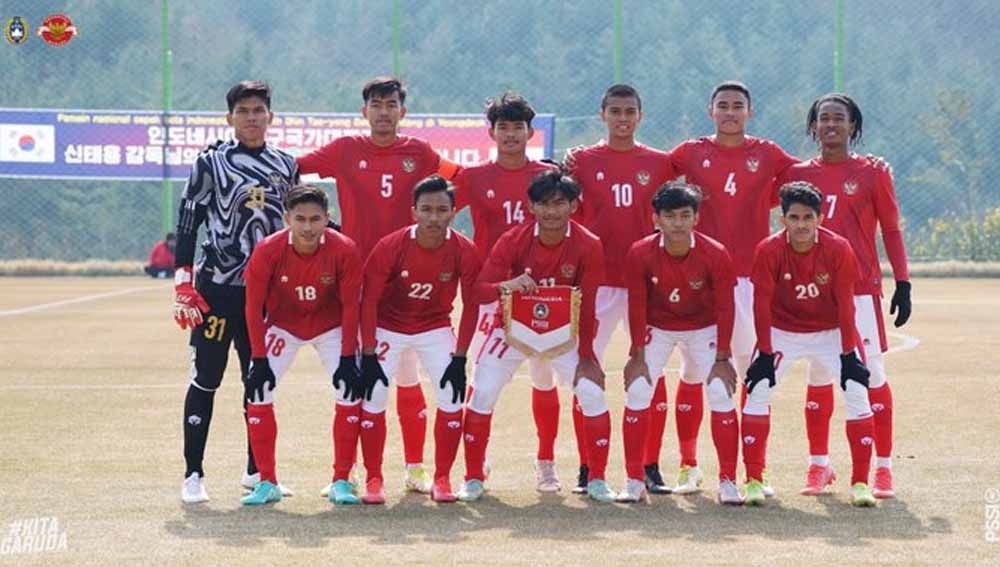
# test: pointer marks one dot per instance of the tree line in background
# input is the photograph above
(923, 73)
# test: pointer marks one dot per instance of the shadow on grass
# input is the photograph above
(698, 518)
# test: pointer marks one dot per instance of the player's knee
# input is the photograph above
(485, 396)
(819, 379)
(638, 395)
(444, 399)
(856, 398)
(207, 369)
(591, 398)
(759, 400)
(876, 366)
(379, 399)
(719, 399)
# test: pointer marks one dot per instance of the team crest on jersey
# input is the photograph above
(850, 187)
(600, 176)
(696, 284)
(327, 279)
(540, 311)
(568, 270)
(643, 177)
(753, 164)
(445, 276)
(57, 29)
(409, 165)
(255, 197)
(823, 278)
(706, 164)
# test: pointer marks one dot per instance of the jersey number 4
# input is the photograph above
(730, 184)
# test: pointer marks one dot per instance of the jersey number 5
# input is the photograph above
(386, 185)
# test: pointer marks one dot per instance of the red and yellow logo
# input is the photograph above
(57, 29)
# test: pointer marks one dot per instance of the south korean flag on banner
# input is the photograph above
(28, 143)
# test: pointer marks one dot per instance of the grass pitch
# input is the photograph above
(92, 380)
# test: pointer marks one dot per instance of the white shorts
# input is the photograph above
(821, 349)
(540, 370)
(869, 324)
(744, 336)
(697, 347)
(611, 309)
(282, 347)
(496, 367)
(398, 353)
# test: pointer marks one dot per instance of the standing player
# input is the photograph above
(551, 251)
(237, 190)
(803, 279)
(307, 278)
(495, 193)
(411, 279)
(618, 178)
(680, 295)
(375, 176)
(858, 197)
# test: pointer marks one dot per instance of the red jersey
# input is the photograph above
(304, 295)
(616, 202)
(680, 293)
(410, 289)
(739, 187)
(857, 197)
(374, 184)
(497, 198)
(576, 261)
(804, 293)
(161, 257)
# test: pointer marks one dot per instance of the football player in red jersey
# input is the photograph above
(307, 280)
(496, 195)
(551, 251)
(618, 177)
(858, 199)
(411, 279)
(375, 176)
(680, 295)
(803, 279)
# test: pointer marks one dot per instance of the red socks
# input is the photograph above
(881, 402)
(263, 431)
(447, 437)
(346, 427)
(860, 435)
(726, 436)
(598, 429)
(657, 422)
(545, 408)
(477, 437)
(755, 431)
(689, 410)
(412, 411)
(634, 430)
(818, 411)
(373, 442)
(580, 430)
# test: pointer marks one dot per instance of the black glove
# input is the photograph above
(852, 369)
(371, 372)
(455, 375)
(901, 300)
(348, 374)
(762, 368)
(260, 375)
(333, 224)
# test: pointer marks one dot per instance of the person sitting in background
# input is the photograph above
(161, 257)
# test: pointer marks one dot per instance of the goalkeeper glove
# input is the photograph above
(762, 368)
(371, 373)
(852, 369)
(256, 383)
(188, 303)
(348, 375)
(455, 375)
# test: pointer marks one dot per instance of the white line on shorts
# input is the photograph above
(83, 299)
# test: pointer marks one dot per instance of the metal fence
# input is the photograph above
(922, 72)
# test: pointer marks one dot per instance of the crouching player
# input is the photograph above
(410, 282)
(803, 278)
(307, 279)
(551, 251)
(680, 294)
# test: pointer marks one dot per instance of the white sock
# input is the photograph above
(883, 462)
(821, 460)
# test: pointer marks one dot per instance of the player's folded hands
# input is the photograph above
(348, 376)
